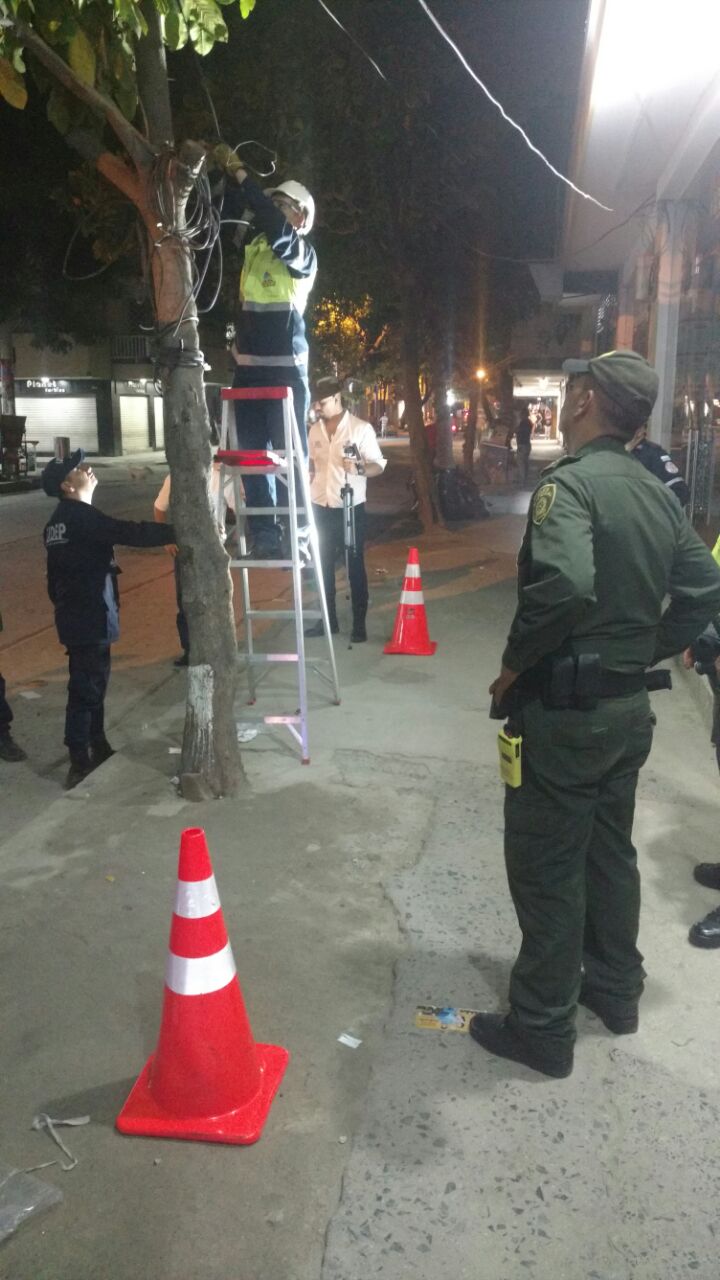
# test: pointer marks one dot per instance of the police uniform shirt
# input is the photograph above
(81, 568)
(654, 458)
(604, 545)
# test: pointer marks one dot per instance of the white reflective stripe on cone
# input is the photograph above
(411, 597)
(200, 975)
(412, 571)
(196, 898)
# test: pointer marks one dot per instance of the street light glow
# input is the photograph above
(481, 375)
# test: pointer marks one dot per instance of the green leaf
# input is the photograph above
(12, 86)
(175, 30)
(246, 8)
(58, 110)
(126, 96)
(81, 57)
(19, 61)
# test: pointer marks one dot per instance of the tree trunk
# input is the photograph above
(7, 370)
(210, 746)
(471, 431)
(424, 479)
(440, 384)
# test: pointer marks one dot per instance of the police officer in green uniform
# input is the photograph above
(605, 544)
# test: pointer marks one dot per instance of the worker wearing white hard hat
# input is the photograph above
(270, 347)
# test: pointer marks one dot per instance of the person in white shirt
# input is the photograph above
(330, 470)
(160, 513)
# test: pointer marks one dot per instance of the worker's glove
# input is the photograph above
(225, 158)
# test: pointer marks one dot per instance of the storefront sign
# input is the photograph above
(51, 386)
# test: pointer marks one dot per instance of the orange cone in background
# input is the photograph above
(207, 1079)
(411, 632)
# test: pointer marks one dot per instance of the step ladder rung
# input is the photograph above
(261, 564)
(286, 615)
(262, 659)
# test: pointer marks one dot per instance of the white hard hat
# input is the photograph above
(300, 194)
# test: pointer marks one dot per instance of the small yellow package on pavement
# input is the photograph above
(433, 1017)
(510, 752)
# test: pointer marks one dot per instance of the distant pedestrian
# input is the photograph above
(523, 435)
(384, 420)
(82, 585)
(329, 442)
(9, 749)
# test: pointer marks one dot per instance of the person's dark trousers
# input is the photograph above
(330, 522)
(523, 458)
(6, 715)
(259, 425)
(180, 619)
(571, 863)
(85, 713)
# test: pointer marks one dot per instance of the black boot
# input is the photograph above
(358, 633)
(706, 933)
(318, 628)
(708, 874)
(100, 751)
(80, 766)
(10, 750)
(620, 1016)
(496, 1034)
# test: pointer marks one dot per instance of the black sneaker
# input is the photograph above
(80, 766)
(708, 874)
(10, 751)
(318, 628)
(358, 635)
(620, 1016)
(494, 1032)
(100, 751)
(182, 660)
(706, 933)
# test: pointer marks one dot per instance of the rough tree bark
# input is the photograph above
(410, 344)
(7, 370)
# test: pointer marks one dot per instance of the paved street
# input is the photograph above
(354, 891)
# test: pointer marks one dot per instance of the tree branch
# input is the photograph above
(120, 174)
(137, 147)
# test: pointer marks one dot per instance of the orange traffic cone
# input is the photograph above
(207, 1079)
(411, 632)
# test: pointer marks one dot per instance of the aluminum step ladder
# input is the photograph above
(287, 466)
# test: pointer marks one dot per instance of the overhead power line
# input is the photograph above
(351, 37)
(513, 123)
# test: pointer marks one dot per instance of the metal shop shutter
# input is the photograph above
(134, 423)
(50, 416)
(159, 423)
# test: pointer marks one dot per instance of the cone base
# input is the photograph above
(411, 651)
(142, 1116)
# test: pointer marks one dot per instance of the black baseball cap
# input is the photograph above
(627, 379)
(325, 387)
(56, 471)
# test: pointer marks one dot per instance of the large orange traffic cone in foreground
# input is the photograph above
(207, 1079)
(411, 632)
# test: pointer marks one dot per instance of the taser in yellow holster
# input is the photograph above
(510, 752)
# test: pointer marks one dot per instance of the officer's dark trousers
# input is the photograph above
(330, 524)
(6, 714)
(89, 676)
(181, 621)
(260, 426)
(571, 863)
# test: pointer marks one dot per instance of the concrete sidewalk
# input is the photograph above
(353, 891)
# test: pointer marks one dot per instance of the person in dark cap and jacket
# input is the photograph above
(604, 547)
(82, 585)
(658, 461)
